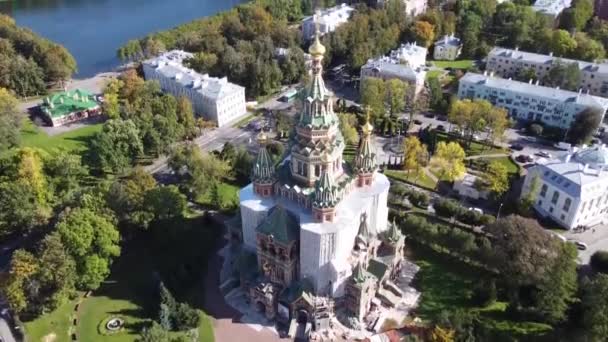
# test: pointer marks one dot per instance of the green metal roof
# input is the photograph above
(359, 275)
(325, 192)
(66, 102)
(263, 169)
(281, 224)
(394, 234)
(377, 268)
(296, 290)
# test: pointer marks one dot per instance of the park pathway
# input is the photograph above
(494, 155)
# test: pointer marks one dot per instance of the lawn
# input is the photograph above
(476, 148)
(228, 194)
(56, 323)
(460, 64)
(72, 141)
(447, 284)
(511, 166)
(422, 180)
(433, 73)
(175, 252)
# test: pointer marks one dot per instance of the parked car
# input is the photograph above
(476, 209)
(580, 245)
(524, 158)
(543, 154)
(442, 118)
(429, 115)
(417, 122)
(517, 147)
(562, 146)
(441, 128)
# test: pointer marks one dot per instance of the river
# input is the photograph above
(94, 29)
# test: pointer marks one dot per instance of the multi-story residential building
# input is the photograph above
(571, 189)
(530, 101)
(508, 62)
(447, 48)
(328, 21)
(410, 54)
(412, 7)
(405, 63)
(551, 8)
(213, 98)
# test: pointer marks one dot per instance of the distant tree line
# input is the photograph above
(30, 63)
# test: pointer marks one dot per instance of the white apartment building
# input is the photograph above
(551, 8)
(508, 62)
(447, 48)
(412, 7)
(405, 63)
(410, 54)
(573, 187)
(328, 20)
(213, 98)
(528, 101)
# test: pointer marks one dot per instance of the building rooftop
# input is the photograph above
(282, 225)
(170, 64)
(331, 15)
(390, 66)
(448, 40)
(551, 7)
(546, 59)
(66, 102)
(556, 94)
(410, 53)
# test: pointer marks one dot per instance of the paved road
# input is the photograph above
(5, 331)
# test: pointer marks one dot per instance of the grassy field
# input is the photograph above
(228, 194)
(433, 73)
(57, 323)
(475, 148)
(446, 284)
(511, 166)
(72, 141)
(421, 180)
(175, 251)
(461, 64)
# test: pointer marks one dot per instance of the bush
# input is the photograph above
(487, 219)
(186, 317)
(471, 217)
(399, 189)
(536, 129)
(599, 261)
(448, 208)
(419, 198)
(484, 292)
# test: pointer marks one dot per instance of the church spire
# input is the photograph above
(364, 234)
(359, 273)
(263, 169)
(325, 191)
(394, 234)
(365, 160)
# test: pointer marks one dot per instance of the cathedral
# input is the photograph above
(316, 227)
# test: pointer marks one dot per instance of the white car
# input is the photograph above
(543, 154)
(476, 209)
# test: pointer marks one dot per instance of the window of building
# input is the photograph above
(317, 171)
(540, 203)
(583, 206)
(567, 204)
(563, 217)
(555, 197)
(543, 190)
(591, 203)
(550, 209)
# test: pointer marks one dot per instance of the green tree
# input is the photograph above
(23, 265)
(65, 174)
(348, 123)
(583, 127)
(127, 195)
(56, 275)
(165, 202)
(19, 209)
(154, 333)
(449, 160)
(565, 76)
(561, 43)
(58, 64)
(372, 95)
(92, 241)
(525, 75)
(470, 31)
(496, 178)
(415, 154)
(576, 17)
(395, 94)
(587, 49)
(116, 147)
(595, 307)
(185, 117)
(10, 120)
(437, 102)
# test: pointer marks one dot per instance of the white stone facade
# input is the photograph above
(530, 102)
(328, 20)
(572, 188)
(415, 7)
(324, 247)
(551, 8)
(447, 48)
(214, 99)
(405, 63)
(508, 62)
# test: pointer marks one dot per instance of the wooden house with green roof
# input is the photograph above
(69, 106)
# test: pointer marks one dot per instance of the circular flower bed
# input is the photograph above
(111, 325)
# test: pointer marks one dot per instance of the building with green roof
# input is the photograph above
(69, 106)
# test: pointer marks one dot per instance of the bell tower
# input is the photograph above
(263, 170)
(318, 143)
(365, 160)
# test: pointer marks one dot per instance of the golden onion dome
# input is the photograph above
(317, 49)
(367, 128)
(262, 138)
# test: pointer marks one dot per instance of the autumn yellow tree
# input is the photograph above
(496, 178)
(449, 161)
(439, 334)
(23, 265)
(415, 155)
(425, 32)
